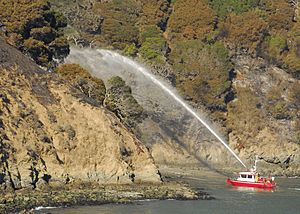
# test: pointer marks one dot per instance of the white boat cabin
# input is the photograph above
(247, 176)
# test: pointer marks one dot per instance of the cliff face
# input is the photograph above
(262, 120)
(238, 62)
(49, 136)
(264, 116)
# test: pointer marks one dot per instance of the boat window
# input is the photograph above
(243, 176)
(249, 176)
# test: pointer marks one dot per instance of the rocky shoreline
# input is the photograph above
(24, 201)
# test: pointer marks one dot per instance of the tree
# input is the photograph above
(80, 78)
(202, 72)
(243, 32)
(192, 19)
(120, 100)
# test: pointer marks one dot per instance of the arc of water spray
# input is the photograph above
(166, 89)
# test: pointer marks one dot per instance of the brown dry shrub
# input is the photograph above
(83, 81)
(192, 19)
(244, 31)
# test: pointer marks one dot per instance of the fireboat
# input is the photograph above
(252, 178)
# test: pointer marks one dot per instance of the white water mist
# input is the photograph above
(112, 58)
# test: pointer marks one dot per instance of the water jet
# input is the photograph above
(90, 59)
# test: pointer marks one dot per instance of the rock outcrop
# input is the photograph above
(239, 66)
(50, 136)
(264, 116)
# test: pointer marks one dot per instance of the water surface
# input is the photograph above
(283, 200)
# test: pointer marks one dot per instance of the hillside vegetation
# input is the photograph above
(54, 131)
(161, 30)
(34, 28)
(237, 59)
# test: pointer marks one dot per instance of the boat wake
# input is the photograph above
(44, 208)
(297, 189)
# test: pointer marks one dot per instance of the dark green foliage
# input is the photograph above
(55, 19)
(120, 100)
(59, 47)
(202, 71)
(153, 44)
(276, 46)
(130, 50)
(224, 7)
(119, 33)
(152, 48)
(149, 31)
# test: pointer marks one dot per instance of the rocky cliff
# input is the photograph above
(236, 61)
(264, 116)
(50, 135)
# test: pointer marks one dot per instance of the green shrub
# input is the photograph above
(130, 50)
(38, 51)
(244, 118)
(276, 45)
(224, 7)
(45, 34)
(149, 31)
(292, 57)
(55, 19)
(220, 51)
(60, 48)
(292, 60)
(280, 15)
(202, 71)
(120, 100)
(152, 48)
(119, 34)
(279, 110)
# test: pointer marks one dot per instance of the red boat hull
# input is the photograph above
(252, 184)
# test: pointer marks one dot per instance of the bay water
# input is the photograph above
(285, 199)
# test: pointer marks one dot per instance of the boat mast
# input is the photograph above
(255, 163)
